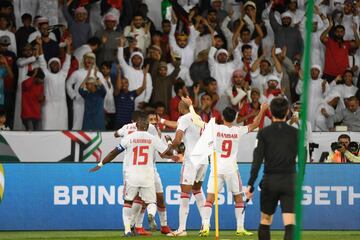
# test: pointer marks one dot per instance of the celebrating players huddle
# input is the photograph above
(142, 140)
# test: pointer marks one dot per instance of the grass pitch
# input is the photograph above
(112, 235)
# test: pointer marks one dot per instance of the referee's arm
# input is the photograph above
(258, 157)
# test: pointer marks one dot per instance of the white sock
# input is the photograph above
(126, 215)
(206, 214)
(136, 209)
(239, 207)
(200, 200)
(140, 217)
(162, 216)
(183, 210)
(151, 209)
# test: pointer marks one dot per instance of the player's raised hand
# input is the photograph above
(94, 169)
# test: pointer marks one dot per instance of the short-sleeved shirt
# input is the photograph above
(191, 133)
(140, 149)
(125, 106)
(336, 57)
(227, 147)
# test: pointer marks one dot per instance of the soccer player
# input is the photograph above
(191, 178)
(138, 206)
(226, 146)
(277, 148)
(139, 178)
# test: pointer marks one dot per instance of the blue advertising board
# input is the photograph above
(68, 197)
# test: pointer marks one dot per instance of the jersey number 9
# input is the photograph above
(226, 148)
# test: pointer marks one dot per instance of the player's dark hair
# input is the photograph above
(279, 107)
(342, 136)
(135, 116)
(142, 122)
(229, 114)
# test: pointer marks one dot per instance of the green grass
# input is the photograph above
(112, 235)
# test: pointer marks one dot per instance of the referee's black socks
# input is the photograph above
(264, 232)
(289, 232)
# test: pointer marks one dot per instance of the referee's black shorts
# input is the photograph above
(277, 187)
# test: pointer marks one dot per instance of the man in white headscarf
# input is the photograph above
(73, 84)
(55, 112)
(134, 73)
(222, 69)
(325, 110)
(318, 89)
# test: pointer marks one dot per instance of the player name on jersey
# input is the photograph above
(227, 135)
(147, 141)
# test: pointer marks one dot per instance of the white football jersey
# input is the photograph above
(139, 154)
(191, 133)
(227, 146)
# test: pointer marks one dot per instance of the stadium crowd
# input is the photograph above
(87, 64)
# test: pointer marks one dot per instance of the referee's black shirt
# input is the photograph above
(277, 146)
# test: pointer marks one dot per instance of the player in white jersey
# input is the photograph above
(226, 141)
(138, 206)
(191, 177)
(139, 177)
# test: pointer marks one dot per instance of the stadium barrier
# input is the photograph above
(70, 146)
(46, 196)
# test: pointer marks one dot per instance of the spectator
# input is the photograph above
(318, 90)
(337, 50)
(5, 70)
(9, 83)
(125, 99)
(55, 111)
(216, 7)
(199, 69)
(273, 89)
(238, 93)
(206, 112)
(23, 33)
(349, 117)
(211, 87)
(134, 74)
(139, 31)
(109, 39)
(261, 69)
(287, 35)
(92, 46)
(50, 47)
(250, 110)
(4, 26)
(222, 69)
(341, 152)
(25, 63)
(38, 21)
(297, 15)
(93, 92)
(162, 80)
(325, 110)
(109, 104)
(132, 42)
(160, 110)
(79, 28)
(344, 85)
(180, 91)
(3, 126)
(73, 84)
(32, 100)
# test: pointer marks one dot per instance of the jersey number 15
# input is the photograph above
(140, 155)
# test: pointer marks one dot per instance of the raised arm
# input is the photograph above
(257, 119)
(273, 22)
(118, 83)
(143, 86)
(277, 63)
(120, 55)
(324, 34)
(196, 119)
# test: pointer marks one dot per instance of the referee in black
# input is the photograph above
(276, 145)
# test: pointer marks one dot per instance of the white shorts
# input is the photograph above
(190, 174)
(147, 194)
(158, 183)
(232, 180)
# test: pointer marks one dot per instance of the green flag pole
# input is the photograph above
(303, 127)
